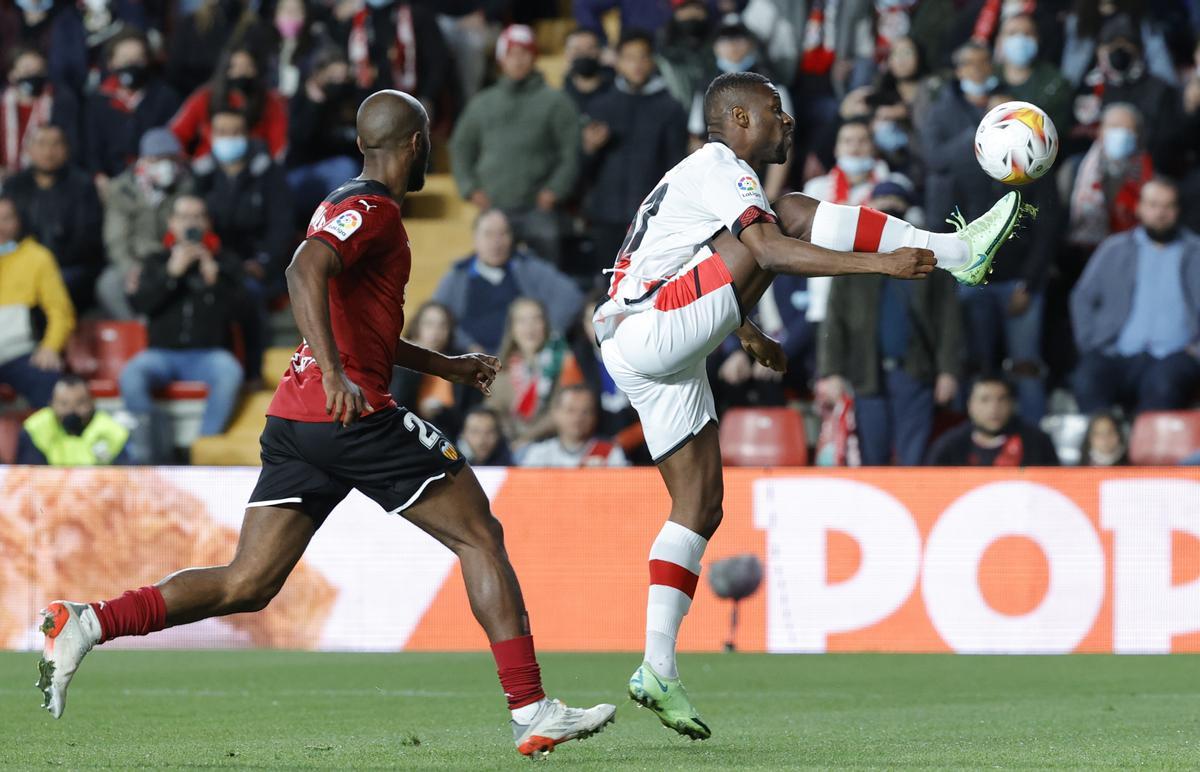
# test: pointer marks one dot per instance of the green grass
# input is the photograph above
(444, 711)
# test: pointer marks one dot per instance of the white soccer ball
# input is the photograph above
(1016, 143)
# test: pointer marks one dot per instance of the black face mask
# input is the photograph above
(74, 424)
(336, 91)
(247, 86)
(586, 67)
(1120, 59)
(133, 77)
(32, 85)
(692, 29)
(1162, 235)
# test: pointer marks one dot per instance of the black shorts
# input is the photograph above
(391, 456)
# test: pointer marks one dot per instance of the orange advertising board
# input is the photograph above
(905, 560)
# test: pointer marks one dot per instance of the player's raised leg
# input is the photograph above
(271, 542)
(457, 513)
(693, 478)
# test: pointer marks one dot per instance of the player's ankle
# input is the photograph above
(525, 713)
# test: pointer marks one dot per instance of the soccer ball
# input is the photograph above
(1016, 143)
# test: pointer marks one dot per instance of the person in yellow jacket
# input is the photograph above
(71, 432)
(36, 314)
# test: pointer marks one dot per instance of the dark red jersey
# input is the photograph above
(361, 223)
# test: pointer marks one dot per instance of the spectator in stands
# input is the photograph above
(735, 49)
(894, 139)
(1031, 78)
(635, 14)
(298, 39)
(189, 293)
(897, 346)
(1101, 188)
(1085, 27)
(781, 314)
(60, 208)
(432, 398)
(240, 84)
(902, 74)
(199, 37)
(685, 57)
(574, 444)
(1121, 76)
(322, 146)
(994, 436)
(71, 431)
(36, 314)
(28, 102)
(1136, 312)
(636, 133)
(250, 209)
(587, 77)
(470, 28)
(1104, 442)
(617, 418)
(482, 442)
(129, 102)
(399, 44)
(859, 168)
(139, 201)
(516, 146)
(479, 288)
(534, 367)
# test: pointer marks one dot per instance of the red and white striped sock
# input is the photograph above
(862, 229)
(674, 571)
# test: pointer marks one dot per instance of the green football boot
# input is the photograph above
(986, 234)
(669, 701)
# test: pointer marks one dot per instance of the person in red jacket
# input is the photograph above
(239, 83)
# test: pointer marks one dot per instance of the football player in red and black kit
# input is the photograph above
(332, 426)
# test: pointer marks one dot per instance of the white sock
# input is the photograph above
(524, 714)
(674, 571)
(861, 229)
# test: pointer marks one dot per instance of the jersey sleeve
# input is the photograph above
(352, 227)
(735, 197)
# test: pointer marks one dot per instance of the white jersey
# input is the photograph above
(709, 190)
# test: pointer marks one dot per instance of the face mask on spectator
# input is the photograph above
(1019, 50)
(162, 173)
(974, 88)
(693, 29)
(132, 77)
(289, 28)
(379, 3)
(855, 165)
(35, 6)
(889, 136)
(1120, 59)
(1162, 235)
(244, 84)
(73, 423)
(1119, 143)
(742, 65)
(32, 85)
(586, 67)
(335, 90)
(229, 150)
(7, 247)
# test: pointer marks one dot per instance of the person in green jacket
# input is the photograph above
(516, 146)
(71, 432)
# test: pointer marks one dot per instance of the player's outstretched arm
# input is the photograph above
(476, 370)
(778, 253)
(308, 285)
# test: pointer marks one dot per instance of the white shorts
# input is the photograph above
(657, 355)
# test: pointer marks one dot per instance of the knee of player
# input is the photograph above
(245, 592)
(796, 212)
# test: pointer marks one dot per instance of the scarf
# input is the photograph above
(16, 134)
(1093, 216)
(120, 99)
(840, 183)
(402, 56)
(533, 381)
(820, 38)
(1012, 452)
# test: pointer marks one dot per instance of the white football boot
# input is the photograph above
(71, 630)
(555, 723)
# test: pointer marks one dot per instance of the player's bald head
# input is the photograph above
(388, 119)
(733, 89)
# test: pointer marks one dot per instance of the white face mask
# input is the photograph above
(8, 247)
(162, 173)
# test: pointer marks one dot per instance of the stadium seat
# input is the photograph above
(10, 431)
(772, 436)
(97, 350)
(1164, 438)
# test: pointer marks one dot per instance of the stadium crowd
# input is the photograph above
(159, 162)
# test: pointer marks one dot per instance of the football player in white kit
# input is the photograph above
(700, 252)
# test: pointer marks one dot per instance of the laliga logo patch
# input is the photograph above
(747, 187)
(344, 224)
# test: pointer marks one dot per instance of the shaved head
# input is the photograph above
(393, 134)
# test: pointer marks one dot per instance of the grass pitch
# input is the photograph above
(291, 710)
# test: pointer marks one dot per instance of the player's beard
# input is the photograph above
(416, 173)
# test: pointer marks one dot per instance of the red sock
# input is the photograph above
(519, 672)
(137, 612)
